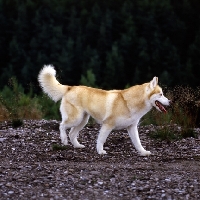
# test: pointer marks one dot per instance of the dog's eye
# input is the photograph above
(160, 95)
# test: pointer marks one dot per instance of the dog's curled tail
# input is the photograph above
(49, 84)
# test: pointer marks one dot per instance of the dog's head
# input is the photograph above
(156, 97)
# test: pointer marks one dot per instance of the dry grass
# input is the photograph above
(15, 104)
(4, 114)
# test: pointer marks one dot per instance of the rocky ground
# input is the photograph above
(32, 165)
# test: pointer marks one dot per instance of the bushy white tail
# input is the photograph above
(49, 84)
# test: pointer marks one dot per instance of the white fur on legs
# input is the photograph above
(103, 134)
(63, 134)
(133, 133)
(73, 134)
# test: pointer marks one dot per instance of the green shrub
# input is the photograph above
(18, 104)
(170, 133)
(49, 108)
(89, 79)
(57, 147)
(165, 133)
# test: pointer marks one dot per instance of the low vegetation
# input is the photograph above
(16, 105)
(183, 112)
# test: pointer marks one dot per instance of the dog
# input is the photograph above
(113, 109)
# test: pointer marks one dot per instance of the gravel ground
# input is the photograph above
(31, 168)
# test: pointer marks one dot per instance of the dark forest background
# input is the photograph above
(102, 43)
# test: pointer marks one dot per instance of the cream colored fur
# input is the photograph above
(114, 109)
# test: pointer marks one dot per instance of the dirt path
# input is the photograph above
(31, 168)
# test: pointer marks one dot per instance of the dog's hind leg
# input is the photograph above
(63, 134)
(73, 134)
(71, 118)
(103, 134)
(133, 133)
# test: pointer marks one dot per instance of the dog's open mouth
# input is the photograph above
(160, 106)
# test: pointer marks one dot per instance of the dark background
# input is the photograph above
(102, 43)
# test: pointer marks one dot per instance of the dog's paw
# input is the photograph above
(65, 142)
(79, 146)
(101, 152)
(145, 153)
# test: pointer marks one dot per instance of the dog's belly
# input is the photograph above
(119, 124)
(124, 123)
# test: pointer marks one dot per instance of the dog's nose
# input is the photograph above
(170, 102)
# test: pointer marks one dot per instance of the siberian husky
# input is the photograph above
(113, 109)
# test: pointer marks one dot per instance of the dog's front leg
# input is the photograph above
(133, 133)
(103, 134)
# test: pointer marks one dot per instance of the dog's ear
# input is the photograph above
(154, 82)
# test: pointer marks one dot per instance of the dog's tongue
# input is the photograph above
(161, 107)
